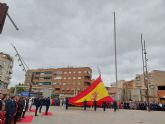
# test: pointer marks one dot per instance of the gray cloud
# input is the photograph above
(58, 33)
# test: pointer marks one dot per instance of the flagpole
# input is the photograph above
(117, 94)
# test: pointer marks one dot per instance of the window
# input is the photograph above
(47, 78)
(64, 84)
(58, 72)
(70, 72)
(69, 78)
(74, 72)
(65, 72)
(79, 78)
(56, 83)
(37, 78)
(41, 78)
(74, 77)
(64, 78)
(48, 72)
(36, 72)
(58, 77)
(42, 73)
(45, 83)
(79, 71)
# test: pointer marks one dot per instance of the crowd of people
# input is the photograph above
(14, 108)
(136, 105)
(132, 105)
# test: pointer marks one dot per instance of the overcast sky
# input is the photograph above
(61, 33)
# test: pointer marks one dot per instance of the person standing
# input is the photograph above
(26, 103)
(30, 103)
(37, 104)
(95, 105)
(85, 104)
(104, 105)
(41, 103)
(114, 106)
(11, 108)
(2, 110)
(67, 104)
(47, 103)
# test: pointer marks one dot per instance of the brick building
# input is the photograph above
(64, 81)
(156, 85)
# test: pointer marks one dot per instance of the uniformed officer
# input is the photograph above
(85, 104)
(104, 105)
(114, 106)
(41, 103)
(95, 105)
(67, 103)
(37, 104)
(11, 108)
(47, 103)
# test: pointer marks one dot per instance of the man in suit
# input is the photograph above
(37, 104)
(67, 103)
(95, 105)
(11, 108)
(104, 105)
(47, 103)
(85, 104)
(114, 106)
(42, 100)
(26, 102)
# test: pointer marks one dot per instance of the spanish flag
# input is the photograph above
(96, 92)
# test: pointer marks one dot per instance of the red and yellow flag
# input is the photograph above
(96, 91)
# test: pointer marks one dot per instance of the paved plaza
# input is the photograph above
(78, 116)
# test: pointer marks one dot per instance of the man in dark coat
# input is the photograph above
(85, 104)
(11, 108)
(37, 104)
(95, 105)
(41, 103)
(20, 106)
(26, 103)
(104, 105)
(67, 103)
(47, 103)
(114, 106)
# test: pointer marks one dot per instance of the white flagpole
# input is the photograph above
(117, 93)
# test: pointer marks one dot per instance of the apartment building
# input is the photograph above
(64, 81)
(6, 65)
(156, 85)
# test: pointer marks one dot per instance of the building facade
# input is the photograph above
(136, 88)
(6, 65)
(156, 85)
(63, 81)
